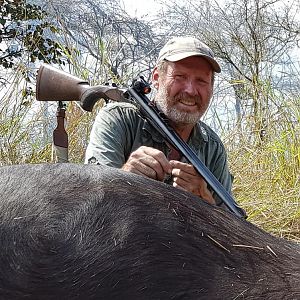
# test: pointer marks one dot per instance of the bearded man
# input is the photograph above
(122, 138)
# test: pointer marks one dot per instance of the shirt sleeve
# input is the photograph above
(108, 139)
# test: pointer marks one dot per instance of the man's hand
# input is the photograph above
(186, 177)
(149, 162)
(153, 163)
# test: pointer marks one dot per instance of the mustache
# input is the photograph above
(187, 97)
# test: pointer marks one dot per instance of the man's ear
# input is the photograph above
(155, 76)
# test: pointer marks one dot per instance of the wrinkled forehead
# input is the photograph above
(190, 66)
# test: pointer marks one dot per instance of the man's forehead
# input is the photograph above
(190, 65)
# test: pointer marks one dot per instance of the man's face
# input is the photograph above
(184, 89)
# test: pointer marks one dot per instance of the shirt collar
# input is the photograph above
(156, 136)
(198, 135)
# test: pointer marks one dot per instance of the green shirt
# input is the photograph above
(119, 130)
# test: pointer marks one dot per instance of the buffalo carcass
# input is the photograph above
(89, 232)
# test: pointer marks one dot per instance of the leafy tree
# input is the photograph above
(25, 32)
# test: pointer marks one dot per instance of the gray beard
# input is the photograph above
(178, 117)
(162, 102)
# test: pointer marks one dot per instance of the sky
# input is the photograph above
(139, 8)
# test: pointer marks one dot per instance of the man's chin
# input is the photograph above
(183, 118)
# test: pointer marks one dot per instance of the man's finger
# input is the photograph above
(160, 157)
(187, 168)
(148, 161)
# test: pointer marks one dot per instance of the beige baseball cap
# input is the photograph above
(178, 48)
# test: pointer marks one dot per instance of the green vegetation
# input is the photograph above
(24, 31)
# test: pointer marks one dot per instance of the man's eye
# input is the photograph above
(201, 81)
(179, 76)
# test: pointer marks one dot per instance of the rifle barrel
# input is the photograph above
(176, 141)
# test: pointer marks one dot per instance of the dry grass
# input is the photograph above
(267, 182)
(268, 187)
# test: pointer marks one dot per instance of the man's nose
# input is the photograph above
(191, 88)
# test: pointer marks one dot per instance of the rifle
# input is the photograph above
(136, 94)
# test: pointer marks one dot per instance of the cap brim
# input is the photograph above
(179, 56)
